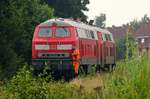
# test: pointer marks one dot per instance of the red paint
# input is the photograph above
(88, 48)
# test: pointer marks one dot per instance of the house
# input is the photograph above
(142, 35)
(118, 32)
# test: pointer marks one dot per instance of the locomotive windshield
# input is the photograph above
(62, 32)
(45, 32)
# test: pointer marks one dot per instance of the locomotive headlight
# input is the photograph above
(42, 47)
(64, 47)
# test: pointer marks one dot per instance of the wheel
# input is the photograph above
(108, 67)
(87, 69)
(69, 74)
(82, 70)
(99, 68)
(113, 66)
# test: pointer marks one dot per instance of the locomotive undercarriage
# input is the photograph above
(107, 65)
(57, 67)
(64, 67)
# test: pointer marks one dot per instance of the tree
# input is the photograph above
(135, 25)
(145, 19)
(69, 8)
(100, 20)
(126, 47)
(18, 20)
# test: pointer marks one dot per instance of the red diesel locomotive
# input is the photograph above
(64, 45)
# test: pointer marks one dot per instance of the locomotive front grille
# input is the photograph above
(53, 55)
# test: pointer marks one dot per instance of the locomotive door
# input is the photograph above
(100, 49)
(107, 52)
(105, 48)
(109, 49)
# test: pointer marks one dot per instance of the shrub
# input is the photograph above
(23, 85)
(129, 81)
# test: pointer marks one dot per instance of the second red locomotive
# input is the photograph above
(66, 45)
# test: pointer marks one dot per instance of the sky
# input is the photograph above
(118, 12)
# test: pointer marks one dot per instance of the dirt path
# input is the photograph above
(90, 83)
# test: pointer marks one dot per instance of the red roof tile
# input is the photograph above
(144, 30)
(118, 32)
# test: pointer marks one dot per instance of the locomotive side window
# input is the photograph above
(95, 35)
(84, 33)
(92, 34)
(45, 32)
(81, 33)
(62, 32)
(103, 37)
(109, 37)
(78, 32)
(106, 37)
(87, 34)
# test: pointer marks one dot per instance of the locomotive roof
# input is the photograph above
(69, 22)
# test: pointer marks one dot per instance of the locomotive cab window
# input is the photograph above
(45, 32)
(62, 32)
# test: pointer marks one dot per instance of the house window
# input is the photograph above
(142, 40)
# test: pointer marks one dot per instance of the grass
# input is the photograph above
(130, 80)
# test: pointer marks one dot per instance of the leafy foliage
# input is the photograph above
(121, 47)
(69, 8)
(24, 86)
(145, 19)
(135, 24)
(130, 80)
(18, 20)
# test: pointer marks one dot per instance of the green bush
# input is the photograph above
(129, 81)
(24, 86)
(18, 19)
(121, 47)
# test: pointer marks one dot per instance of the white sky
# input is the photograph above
(118, 12)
